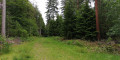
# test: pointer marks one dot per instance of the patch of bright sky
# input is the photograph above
(42, 7)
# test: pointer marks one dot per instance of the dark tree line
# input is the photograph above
(23, 19)
(109, 17)
(78, 21)
(54, 25)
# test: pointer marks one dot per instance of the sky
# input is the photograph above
(42, 7)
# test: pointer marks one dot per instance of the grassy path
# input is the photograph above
(51, 49)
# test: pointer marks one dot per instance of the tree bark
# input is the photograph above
(3, 31)
(97, 21)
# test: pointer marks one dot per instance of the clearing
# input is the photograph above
(51, 48)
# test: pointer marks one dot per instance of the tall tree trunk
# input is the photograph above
(97, 21)
(3, 31)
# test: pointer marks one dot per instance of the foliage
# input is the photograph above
(52, 28)
(85, 23)
(109, 18)
(52, 10)
(75, 22)
(40, 23)
(79, 21)
(69, 22)
(114, 31)
(4, 46)
(75, 42)
(23, 19)
(51, 48)
(59, 25)
(56, 27)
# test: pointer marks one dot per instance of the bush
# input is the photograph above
(4, 46)
(22, 57)
(114, 32)
(23, 33)
(75, 42)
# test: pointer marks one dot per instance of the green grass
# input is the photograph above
(50, 48)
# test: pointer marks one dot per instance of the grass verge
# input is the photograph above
(51, 48)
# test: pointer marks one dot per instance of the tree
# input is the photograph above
(109, 18)
(113, 16)
(39, 21)
(79, 20)
(69, 22)
(59, 25)
(3, 31)
(52, 28)
(85, 23)
(23, 12)
(23, 19)
(52, 9)
(56, 27)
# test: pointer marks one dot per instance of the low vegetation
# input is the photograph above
(53, 48)
(100, 47)
(4, 46)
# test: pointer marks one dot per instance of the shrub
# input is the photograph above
(4, 46)
(109, 39)
(22, 57)
(75, 42)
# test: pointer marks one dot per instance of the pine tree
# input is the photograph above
(59, 25)
(21, 19)
(69, 22)
(51, 14)
(85, 23)
(52, 28)
(109, 18)
(52, 9)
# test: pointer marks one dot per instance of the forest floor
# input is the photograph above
(52, 48)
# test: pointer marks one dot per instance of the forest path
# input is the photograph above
(51, 48)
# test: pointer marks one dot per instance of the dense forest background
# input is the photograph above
(109, 17)
(77, 20)
(23, 19)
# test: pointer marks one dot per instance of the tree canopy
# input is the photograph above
(23, 19)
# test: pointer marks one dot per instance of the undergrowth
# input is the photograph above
(4, 46)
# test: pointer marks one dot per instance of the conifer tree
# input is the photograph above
(69, 22)
(52, 9)
(59, 25)
(21, 19)
(85, 23)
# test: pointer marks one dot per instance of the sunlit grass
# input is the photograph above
(50, 48)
